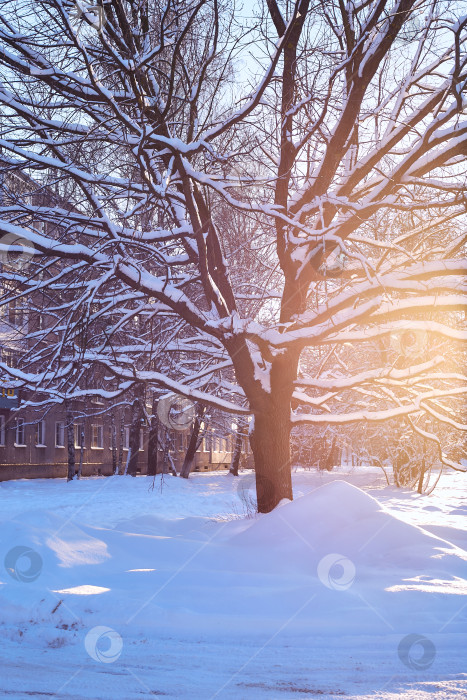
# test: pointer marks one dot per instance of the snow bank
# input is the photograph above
(334, 564)
(336, 544)
(341, 517)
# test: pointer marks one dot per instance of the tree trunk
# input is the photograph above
(171, 465)
(422, 468)
(165, 451)
(128, 457)
(331, 456)
(153, 442)
(113, 439)
(270, 443)
(81, 450)
(71, 444)
(239, 435)
(270, 398)
(193, 444)
(135, 428)
(120, 445)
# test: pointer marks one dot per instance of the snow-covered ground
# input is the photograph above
(110, 588)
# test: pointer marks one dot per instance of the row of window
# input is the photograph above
(97, 434)
(9, 357)
(210, 442)
(216, 443)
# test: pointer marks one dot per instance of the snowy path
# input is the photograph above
(317, 599)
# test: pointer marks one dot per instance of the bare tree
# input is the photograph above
(153, 440)
(343, 145)
(194, 442)
(240, 434)
(137, 417)
(70, 433)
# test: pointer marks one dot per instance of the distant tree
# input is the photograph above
(194, 441)
(346, 153)
(137, 418)
(240, 435)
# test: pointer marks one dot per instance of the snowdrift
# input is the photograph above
(313, 599)
(336, 554)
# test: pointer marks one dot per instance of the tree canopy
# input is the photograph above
(263, 213)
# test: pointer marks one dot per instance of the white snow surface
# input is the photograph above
(205, 600)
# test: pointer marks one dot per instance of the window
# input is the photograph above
(59, 434)
(207, 441)
(179, 442)
(40, 433)
(126, 438)
(79, 434)
(16, 312)
(2, 430)
(97, 437)
(39, 321)
(20, 437)
(9, 357)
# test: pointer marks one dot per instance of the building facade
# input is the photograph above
(37, 447)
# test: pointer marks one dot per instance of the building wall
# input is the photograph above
(31, 461)
(49, 460)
